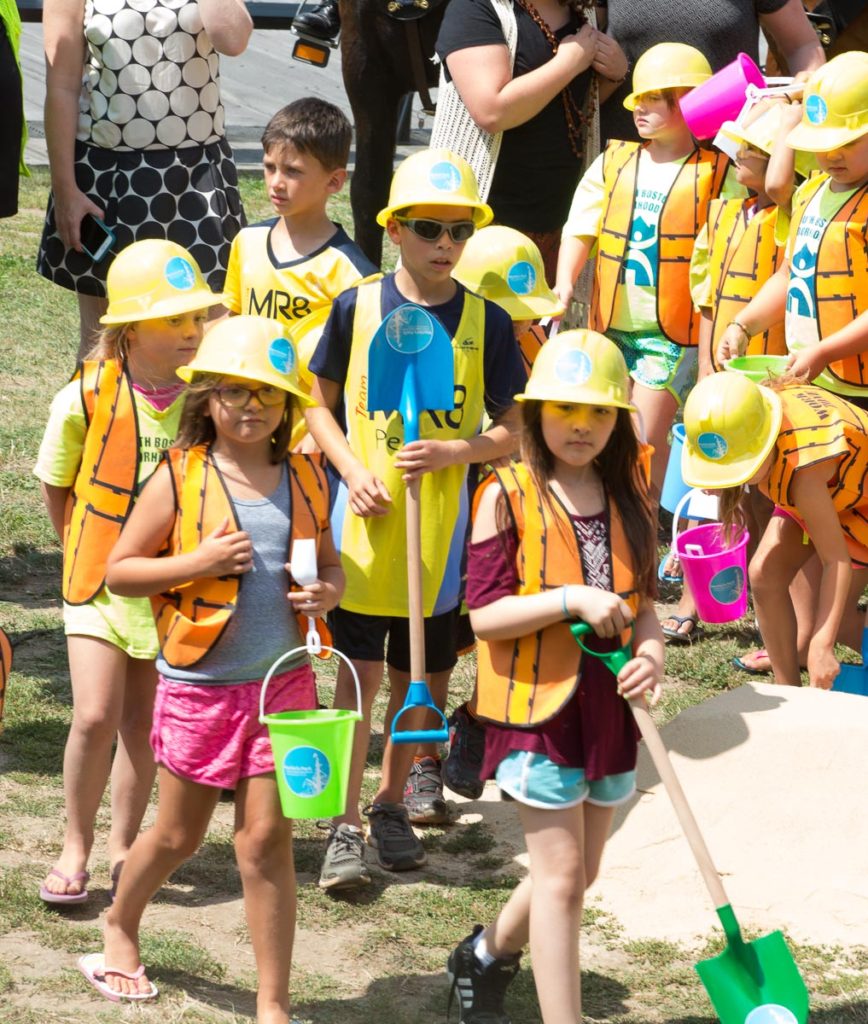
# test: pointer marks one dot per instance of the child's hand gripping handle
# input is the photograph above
(304, 571)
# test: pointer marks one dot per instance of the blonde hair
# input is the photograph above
(112, 342)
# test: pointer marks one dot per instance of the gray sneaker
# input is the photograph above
(390, 834)
(343, 866)
(423, 793)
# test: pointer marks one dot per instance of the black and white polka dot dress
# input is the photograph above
(150, 148)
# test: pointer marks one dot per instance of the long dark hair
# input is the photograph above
(620, 469)
(197, 427)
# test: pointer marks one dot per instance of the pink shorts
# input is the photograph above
(211, 734)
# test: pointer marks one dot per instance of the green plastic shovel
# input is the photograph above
(410, 369)
(749, 982)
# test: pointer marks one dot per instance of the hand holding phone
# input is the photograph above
(97, 237)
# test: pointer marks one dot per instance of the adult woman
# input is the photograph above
(134, 127)
(521, 72)
(720, 30)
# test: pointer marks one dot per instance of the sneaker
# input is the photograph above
(343, 866)
(466, 747)
(423, 793)
(397, 846)
(480, 990)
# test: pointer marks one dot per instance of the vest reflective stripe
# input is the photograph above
(526, 681)
(105, 488)
(685, 210)
(841, 277)
(192, 616)
(743, 255)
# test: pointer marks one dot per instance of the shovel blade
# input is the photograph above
(852, 679)
(756, 983)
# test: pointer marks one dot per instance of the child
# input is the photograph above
(807, 450)
(566, 534)
(297, 262)
(105, 434)
(434, 207)
(821, 290)
(643, 205)
(225, 505)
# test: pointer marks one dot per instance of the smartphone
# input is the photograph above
(96, 237)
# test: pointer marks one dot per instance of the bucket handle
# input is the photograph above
(676, 515)
(307, 650)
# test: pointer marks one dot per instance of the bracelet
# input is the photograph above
(564, 603)
(741, 327)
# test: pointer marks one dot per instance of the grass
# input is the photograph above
(375, 957)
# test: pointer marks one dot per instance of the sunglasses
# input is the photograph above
(432, 230)
(235, 396)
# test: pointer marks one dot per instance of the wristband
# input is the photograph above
(564, 603)
(741, 327)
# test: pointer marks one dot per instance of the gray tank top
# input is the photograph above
(263, 625)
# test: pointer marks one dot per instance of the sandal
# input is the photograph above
(743, 666)
(67, 898)
(676, 636)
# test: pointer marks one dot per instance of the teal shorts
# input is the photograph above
(657, 363)
(535, 780)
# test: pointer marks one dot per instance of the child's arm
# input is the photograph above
(705, 331)
(645, 671)
(515, 616)
(134, 570)
(764, 310)
(780, 178)
(572, 257)
(849, 341)
(320, 597)
(814, 505)
(368, 495)
(55, 504)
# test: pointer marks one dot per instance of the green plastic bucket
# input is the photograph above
(312, 751)
(758, 368)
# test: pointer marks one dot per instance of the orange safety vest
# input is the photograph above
(529, 345)
(191, 617)
(684, 212)
(525, 681)
(841, 276)
(105, 488)
(743, 255)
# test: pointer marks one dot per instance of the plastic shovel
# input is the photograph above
(754, 982)
(410, 369)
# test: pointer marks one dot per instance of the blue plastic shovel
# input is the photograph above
(410, 369)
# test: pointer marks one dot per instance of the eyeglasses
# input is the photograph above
(432, 230)
(236, 396)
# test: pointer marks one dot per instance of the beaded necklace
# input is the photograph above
(572, 112)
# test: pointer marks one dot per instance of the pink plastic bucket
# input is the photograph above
(716, 571)
(721, 98)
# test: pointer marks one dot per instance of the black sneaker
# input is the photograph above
(466, 747)
(390, 833)
(480, 990)
(322, 21)
(423, 793)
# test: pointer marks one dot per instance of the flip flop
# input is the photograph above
(663, 575)
(676, 636)
(743, 666)
(92, 966)
(68, 898)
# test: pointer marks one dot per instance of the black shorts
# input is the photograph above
(363, 638)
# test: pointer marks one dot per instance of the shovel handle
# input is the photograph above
(660, 757)
(414, 582)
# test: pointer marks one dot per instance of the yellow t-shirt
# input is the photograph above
(125, 621)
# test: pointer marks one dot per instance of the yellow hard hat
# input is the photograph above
(253, 347)
(834, 105)
(581, 367)
(305, 335)
(155, 278)
(668, 66)
(435, 177)
(503, 265)
(759, 129)
(730, 425)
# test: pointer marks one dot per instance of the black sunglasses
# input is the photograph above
(431, 230)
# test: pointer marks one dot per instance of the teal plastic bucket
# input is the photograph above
(674, 487)
(312, 750)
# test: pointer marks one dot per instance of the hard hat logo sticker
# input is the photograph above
(180, 274)
(573, 367)
(521, 278)
(281, 355)
(816, 110)
(445, 177)
(306, 771)
(713, 446)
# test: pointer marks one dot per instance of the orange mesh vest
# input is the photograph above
(820, 426)
(684, 212)
(525, 681)
(841, 277)
(105, 488)
(192, 616)
(743, 255)
(529, 345)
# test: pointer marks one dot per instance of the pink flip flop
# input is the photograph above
(92, 966)
(47, 896)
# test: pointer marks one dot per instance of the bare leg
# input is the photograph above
(184, 809)
(263, 846)
(657, 409)
(90, 309)
(370, 681)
